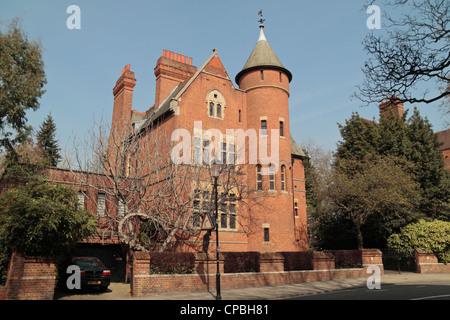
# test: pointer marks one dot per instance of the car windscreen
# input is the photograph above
(88, 263)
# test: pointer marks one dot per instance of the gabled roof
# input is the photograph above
(262, 56)
(171, 101)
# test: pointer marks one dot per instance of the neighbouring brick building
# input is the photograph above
(444, 138)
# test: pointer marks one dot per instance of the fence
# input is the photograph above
(399, 260)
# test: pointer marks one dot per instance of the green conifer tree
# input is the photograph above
(413, 143)
(46, 140)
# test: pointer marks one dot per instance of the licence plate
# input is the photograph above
(94, 282)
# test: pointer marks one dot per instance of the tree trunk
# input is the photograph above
(171, 235)
(359, 236)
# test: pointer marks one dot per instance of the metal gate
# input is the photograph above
(399, 260)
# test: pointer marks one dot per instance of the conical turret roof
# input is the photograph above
(263, 57)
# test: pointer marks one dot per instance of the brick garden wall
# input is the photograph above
(29, 279)
(428, 263)
(271, 273)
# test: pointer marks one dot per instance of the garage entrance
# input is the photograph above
(112, 256)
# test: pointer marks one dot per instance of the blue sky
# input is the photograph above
(318, 41)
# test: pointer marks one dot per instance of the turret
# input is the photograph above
(265, 81)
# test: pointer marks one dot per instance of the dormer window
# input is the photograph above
(216, 104)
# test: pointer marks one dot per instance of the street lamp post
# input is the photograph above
(215, 171)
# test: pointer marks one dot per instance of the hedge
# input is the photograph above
(297, 260)
(235, 262)
(347, 258)
(172, 262)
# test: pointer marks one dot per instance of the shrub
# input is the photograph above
(42, 219)
(298, 260)
(347, 258)
(172, 262)
(241, 262)
(431, 236)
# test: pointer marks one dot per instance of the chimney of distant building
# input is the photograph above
(171, 70)
(392, 105)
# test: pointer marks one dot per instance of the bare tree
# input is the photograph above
(152, 199)
(414, 53)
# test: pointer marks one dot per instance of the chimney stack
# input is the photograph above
(123, 97)
(171, 70)
(392, 105)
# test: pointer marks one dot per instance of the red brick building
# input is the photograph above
(188, 96)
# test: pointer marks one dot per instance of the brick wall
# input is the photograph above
(428, 263)
(271, 274)
(29, 279)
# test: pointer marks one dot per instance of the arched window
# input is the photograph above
(215, 104)
(283, 178)
(258, 178)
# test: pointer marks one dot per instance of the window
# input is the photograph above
(296, 207)
(262, 75)
(196, 216)
(101, 204)
(215, 104)
(120, 208)
(224, 152)
(258, 178)
(232, 221)
(240, 120)
(283, 178)
(281, 129)
(266, 234)
(211, 109)
(223, 206)
(219, 111)
(206, 151)
(231, 154)
(280, 78)
(271, 177)
(81, 200)
(223, 220)
(196, 219)
(197, 150)
(264, 127)
(201, 205)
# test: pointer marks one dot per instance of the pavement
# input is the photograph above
(120, 291)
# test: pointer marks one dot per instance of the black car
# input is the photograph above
(93, 273)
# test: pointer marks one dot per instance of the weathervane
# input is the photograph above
(261, 21)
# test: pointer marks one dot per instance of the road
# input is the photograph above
(394, 286)
(387, 292)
